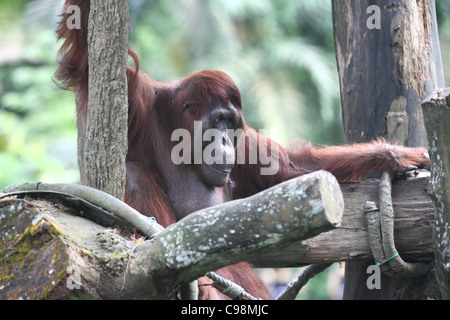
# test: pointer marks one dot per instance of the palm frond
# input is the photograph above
(321, 67)
(279, 106)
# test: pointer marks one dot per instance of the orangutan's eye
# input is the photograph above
(187, 106)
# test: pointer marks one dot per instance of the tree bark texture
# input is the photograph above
(385, 71)
(437, 122)
(276, 228)
(349, 241)
(106, 142)
(48, 250)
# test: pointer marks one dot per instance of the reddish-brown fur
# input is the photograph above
(154, 112)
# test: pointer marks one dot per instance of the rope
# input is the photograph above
(380, 226)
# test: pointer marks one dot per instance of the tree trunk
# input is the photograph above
(386, 70)
(437, 121)
(106, 142)
(388, 60)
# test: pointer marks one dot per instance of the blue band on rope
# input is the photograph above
(379, 263)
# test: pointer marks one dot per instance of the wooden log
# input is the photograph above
(413, 225)
(47, 251)
(89, 254)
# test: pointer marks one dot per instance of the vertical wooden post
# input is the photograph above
(437, 122)
(106, 142)
(388, 61)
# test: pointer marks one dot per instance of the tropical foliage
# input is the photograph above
(280, 53)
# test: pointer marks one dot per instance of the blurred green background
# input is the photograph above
(279, 52)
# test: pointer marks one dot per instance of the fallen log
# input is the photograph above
(47, 249)
(413, 227)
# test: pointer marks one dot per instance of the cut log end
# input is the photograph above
(332, 199)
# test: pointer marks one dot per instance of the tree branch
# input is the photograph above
(111, 266)
(243, 230)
